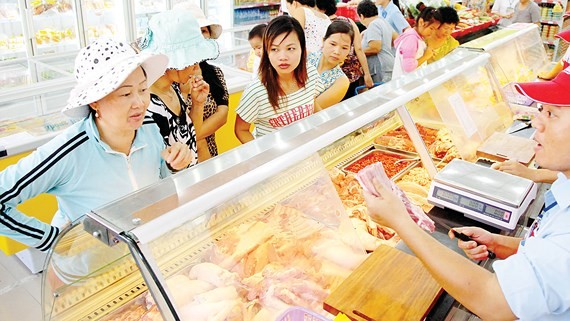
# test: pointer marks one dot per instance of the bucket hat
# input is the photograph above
(215, 28)
(102, 67)
(177, 35)
(554, 92)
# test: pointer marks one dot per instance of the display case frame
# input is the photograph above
(191, 192)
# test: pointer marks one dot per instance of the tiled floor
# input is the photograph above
(20, 291)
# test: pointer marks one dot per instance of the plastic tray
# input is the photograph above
(300, 314)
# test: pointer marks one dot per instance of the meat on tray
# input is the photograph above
(389, 161)
(399, 138)
(376, 170)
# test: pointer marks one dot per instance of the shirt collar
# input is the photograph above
(561, 190)
(138, 142)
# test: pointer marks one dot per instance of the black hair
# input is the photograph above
(367, 9)
(448, 15)
(281, 25)
(257, 31)
(310, 3)
(428, 14)
(340, 26)
(328, 6)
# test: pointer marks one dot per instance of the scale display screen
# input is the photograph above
(473, 204)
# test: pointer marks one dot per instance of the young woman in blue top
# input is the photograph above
(336, 46)
(532, 281)
(107, 154)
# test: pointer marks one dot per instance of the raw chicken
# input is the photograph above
(213, 274)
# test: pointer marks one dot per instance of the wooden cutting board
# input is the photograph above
(389, 286)
(501, 147)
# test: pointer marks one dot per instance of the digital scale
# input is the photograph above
(481, 193)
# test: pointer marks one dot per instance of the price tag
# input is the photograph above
(462, 114)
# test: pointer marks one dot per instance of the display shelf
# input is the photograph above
(550, 22)
(256, 5)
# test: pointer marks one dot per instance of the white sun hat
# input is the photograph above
(215, 28)
(102, 67)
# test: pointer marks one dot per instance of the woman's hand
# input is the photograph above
(199, 91)
(368, 80)
(483, 241)
(386, 209)
(178, 156)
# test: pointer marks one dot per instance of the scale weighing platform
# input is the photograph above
(481, 193)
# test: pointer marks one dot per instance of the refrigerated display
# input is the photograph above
(103, 18)
(242, 234)
(12, 44)
(55, 27)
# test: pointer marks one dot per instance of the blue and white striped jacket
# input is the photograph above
(82, 172)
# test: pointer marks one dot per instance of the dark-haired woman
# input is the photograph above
(287, 87)
(336, 46)
(411, 49)
(355, 66)
(441, 40)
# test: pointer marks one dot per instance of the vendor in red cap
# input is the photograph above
(532, 279)
(562, 64)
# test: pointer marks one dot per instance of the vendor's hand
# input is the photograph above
(515, 168)
(200, 90)
(178, 156)
(368, 80)
(509, 15)
(479, 236)
(387, 209)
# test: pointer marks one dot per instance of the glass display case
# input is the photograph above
(103, 18)
(244, 234)
(517, 55)
(34, 87)
(55, 27)
(11, 31)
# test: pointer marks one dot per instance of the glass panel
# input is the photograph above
(144, 9)
(55, 28)
(12, 43)
(87, 280)
(103, 18)
(286, 241)
(472, 108)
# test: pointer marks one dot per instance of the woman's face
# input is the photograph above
(336, 47)
(445, 30)
(206, 32)
(425, 29)
(124, 108)
(182, 76)
(285, 53)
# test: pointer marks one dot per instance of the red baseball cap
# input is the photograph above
(564, 35)
(554, 92)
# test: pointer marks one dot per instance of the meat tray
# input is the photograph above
(388, 158)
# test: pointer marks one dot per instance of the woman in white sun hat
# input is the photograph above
(216, 106)
(107, 154)
(179, 115)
